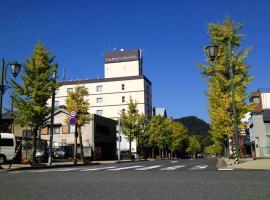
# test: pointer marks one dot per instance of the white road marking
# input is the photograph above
(225, 169)
(96, 169)
(174, 161)
(198, 167)
(123, 168)
(68, 169)
(173, 167)
(150, 167)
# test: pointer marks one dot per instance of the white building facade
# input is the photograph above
(108, 96)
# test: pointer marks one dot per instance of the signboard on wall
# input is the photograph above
(122, 56)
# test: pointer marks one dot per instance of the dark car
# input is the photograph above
(42, 155)
(61, 152)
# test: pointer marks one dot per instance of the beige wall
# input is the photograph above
(65, 139)
(112, 94)
(122, 69)
(265, 100)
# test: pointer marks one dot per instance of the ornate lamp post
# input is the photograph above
(212, 52)
(15, 69)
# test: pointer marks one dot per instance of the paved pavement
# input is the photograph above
(178, 179)
(249, 163)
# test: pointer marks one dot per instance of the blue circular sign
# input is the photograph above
(72, 121)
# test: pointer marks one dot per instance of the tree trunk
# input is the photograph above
(81, 146)
(153, 151)
(129, 149)
(138, 148)
(75, 146)
(34, 148)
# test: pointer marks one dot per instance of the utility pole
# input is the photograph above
(52, 122)
(119, 141)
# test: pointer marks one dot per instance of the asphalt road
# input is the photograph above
(181, 179)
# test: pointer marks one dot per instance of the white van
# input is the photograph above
(7, 147)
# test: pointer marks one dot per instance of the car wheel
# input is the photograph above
(2, 159)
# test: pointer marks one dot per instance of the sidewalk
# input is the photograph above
(58, 165)
(249, 163)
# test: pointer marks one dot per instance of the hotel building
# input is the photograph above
(123, 79)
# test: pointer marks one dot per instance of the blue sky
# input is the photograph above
(171, 35)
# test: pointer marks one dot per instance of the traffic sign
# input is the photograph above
(72, 121)
(73, 113)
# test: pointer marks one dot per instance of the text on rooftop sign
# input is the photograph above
(122, 56)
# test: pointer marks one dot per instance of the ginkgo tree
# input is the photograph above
(76, 101)
(31, 95)
(227, 37)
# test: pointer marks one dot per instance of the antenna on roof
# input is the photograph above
(64, 74)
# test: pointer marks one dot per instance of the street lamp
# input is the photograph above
(211, 52)
(15, 69)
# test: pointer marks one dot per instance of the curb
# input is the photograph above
(44, 166)
(49, 167)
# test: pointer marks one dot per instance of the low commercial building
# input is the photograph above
(98, 137)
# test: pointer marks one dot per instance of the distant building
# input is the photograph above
(259, 123)
(123, 80)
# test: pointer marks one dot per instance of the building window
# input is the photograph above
(100, 112)
(69, 90)
(99, 88)
(147, 88)
(123, 110)
(99, 100)
(65, 129)
(123, 86)
(123, 99)
(56, 104)
(256, 99)
(148, 101)
(56, 130)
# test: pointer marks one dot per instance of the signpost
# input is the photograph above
(72, 121)
(73, 113)
(73, 128)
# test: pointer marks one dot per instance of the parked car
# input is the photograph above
(42, 155)
(7, 147)
(61, 152)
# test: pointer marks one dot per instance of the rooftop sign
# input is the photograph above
(122, 56)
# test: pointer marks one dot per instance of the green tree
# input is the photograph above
(76, 101)
(132, 123)
(219, 81)
(30, 98)
(179, 136)
(155, 128)
(193, 145)
(166, 134)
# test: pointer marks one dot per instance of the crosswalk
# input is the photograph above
(172, 167)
